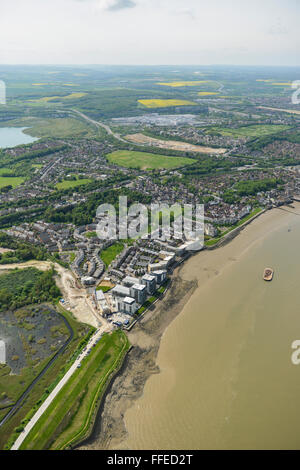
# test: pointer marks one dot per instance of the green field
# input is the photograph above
(4, 171)
(110, 253)
(66, 184)
(147, 161)
(104, 288)
(91, 234)
(13, 181)
(56, 128)
(250, 131)
(67, 420)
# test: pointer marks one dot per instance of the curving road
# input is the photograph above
(100, 124)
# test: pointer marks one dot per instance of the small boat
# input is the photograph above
(268, 274)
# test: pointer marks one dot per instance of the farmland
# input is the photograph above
(147, 161)
(46, 99)
(157, 103)
(207, 93)
(184, 83)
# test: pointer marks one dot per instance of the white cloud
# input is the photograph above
(186, 12)
(150, 32)
(115, 5)
(278, 28)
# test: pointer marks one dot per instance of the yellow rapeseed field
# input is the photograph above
(74, 95)
(207, 93)
(182, 84)
(282, 84)
(165, 103)
(45, 99)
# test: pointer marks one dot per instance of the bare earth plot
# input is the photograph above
(291, 111)
(173, 144)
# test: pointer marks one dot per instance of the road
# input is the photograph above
(100, 124)
(97, 335)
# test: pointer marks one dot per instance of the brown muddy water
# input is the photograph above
(226, 378)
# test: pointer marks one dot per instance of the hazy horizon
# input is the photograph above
(149, 32)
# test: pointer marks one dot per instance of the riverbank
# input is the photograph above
(141, 363)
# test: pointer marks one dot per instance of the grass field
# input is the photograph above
(183, 84)
(91, 234)
(251, 131)
(110, 253)
(147, 161)
(5, 171)
(66, 184)
(67, 420)
(104, 288)
(56, 128)
(165, 103)
(14, 181)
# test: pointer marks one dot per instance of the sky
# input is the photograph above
(150, 32)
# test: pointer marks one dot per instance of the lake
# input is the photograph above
(13, 136)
